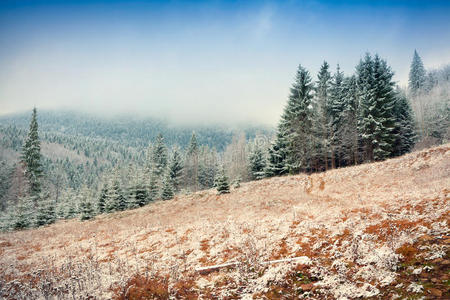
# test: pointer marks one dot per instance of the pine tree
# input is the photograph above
(322, 122)
(31, 156)
(175, 168)
(417, 75)
(376, 120)
(46, 213)
(221, 182)
(192, 163)
(153, 187)
(85, 205)
(116, 201)
(404, 127)
(101, 202)
(347, 131)
(336, 109)
(296, 123)
(159, 156)
(277, 157)
(257, 163)
(167, 190)
(23, 214)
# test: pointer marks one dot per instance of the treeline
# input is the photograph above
(342, 120)
(429, 92)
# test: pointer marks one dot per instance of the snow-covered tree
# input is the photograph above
(417, 75)
(257, 163)
(102, 198)
(176, 168)
(404, 126)
(296, 123)
(221, 182)
(85, 205)
(31, 156)
(46, 212)
(322, 122)
(167, 189)
(159, 155)
(191, 163)
(277, 157)
(23, 214)
(376, 114)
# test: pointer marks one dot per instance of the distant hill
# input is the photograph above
(130, 130)
(376, 230)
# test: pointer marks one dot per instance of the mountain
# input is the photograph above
(373, 230)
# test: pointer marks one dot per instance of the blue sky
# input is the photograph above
(218, 61)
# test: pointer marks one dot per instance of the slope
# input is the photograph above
(374, 230)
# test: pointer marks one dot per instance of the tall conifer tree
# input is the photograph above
(31, 156)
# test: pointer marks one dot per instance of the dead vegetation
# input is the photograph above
(375, 230)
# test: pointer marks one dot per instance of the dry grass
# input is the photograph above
(355, 224)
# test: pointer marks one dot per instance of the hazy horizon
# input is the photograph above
(221, 62)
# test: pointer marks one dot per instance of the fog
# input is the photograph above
(209, 62)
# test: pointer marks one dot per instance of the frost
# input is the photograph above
(414, 288)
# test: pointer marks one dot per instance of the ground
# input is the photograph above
(376, 230)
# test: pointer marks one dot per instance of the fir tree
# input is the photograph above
(175, 168)
(221, 182)
(167, 190)
(101, 202)
(85, 205)
(116, 201)
(153, 187)
(347, 131)
(404, 127)
(336, 109)
(192, 163)
(277, 157)
(23, 215)
(159, 155)
(416, 75)
(46, 213)
(322, 122)
(257, 163)
(376, 121)
(296, 123)
(31, 156)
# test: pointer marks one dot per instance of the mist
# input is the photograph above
(215, 62)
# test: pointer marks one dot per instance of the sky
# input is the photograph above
(196, 61)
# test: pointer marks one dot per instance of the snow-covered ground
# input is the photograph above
(353, 229)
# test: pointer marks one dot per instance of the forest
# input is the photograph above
(64, 165)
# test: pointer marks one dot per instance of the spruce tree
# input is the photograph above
(153, 187)
(296, 123)
(221, 182)
(336, 109)
(277, 157)
(159, 155)
(23, 214)
(404, 126)
(46, 213)
(347, 131)
(192, 163)
(257, 163)
(167, 189)
(175, 168)
(376, 120)
(322, 122)
(85, 205)
(31, 156)
(417, 75)
(101, 202)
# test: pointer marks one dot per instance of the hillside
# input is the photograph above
(377, 229)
